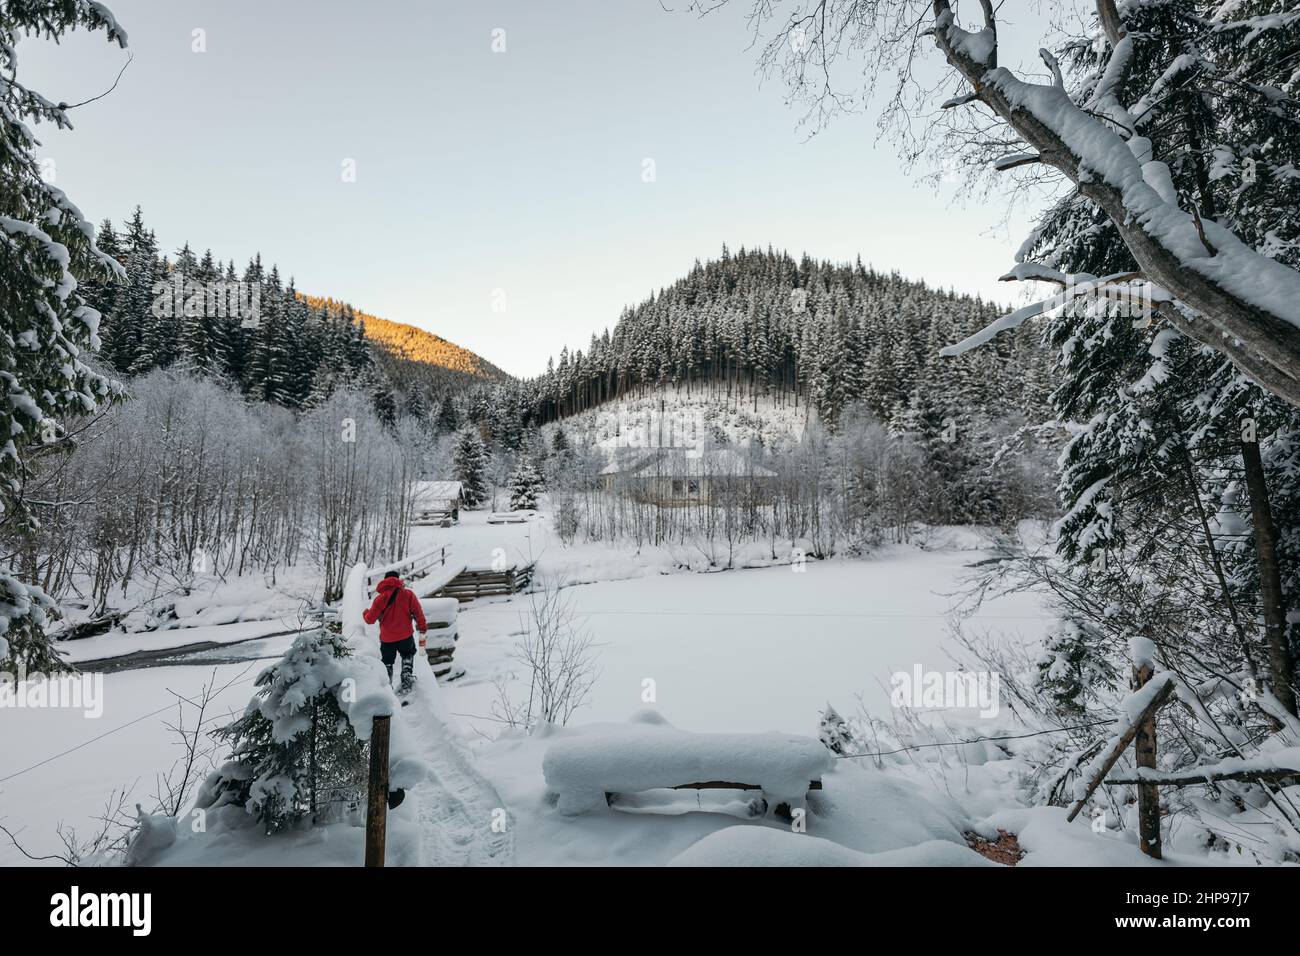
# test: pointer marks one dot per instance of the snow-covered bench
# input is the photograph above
(511, 517)
(598, 763)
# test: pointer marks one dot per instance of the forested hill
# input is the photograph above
(755, 323)
(255, 332)
(415, 344)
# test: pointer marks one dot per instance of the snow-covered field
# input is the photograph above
(741, 652)
(757, 649)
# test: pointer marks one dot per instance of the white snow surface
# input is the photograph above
(757, 651)
(766, 846)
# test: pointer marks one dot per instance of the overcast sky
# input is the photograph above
(512, 177)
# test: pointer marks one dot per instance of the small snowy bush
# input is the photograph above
(294, 752)
(835, 733)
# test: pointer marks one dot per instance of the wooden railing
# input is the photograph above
(411, 567)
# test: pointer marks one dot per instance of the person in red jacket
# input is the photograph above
(394, 608)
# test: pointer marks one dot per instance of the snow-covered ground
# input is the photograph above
(747, 651)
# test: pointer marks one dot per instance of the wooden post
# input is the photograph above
(1144, 754)
(377, 807)
(1120, 744)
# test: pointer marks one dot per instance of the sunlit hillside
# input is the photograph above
(417, 345)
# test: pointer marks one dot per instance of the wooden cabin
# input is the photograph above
(682, 477)
(436, 502)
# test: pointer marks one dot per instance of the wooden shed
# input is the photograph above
(436, 502)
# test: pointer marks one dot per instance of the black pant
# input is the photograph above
(388, 651)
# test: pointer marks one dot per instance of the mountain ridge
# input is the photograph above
(414, 344)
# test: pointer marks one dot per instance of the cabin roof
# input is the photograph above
(436, 490)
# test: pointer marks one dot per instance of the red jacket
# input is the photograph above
(395, 622)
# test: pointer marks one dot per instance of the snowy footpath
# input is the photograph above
(462, 819)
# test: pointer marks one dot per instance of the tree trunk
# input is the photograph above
(1281, 666)
(1144, 753)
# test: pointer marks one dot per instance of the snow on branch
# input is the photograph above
(1278, 765)
(1079, 287)
(981, 47)
(1242, 294)
(1025, 271)
(1259, 25)
(959, 101)
(1012, 160)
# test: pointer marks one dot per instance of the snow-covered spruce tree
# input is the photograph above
(470, 461)
(525, 485)
(294, 753)
(1075, 669)
(45, 244)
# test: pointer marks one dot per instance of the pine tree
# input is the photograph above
(193, 348)
(294, 750)
(470, 464)
(101, 290)
(448, 422)
(376, 385)
(525, 486)
(48, 324)
(145, 307)
(416, 406)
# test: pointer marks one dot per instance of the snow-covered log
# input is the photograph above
(647, 753)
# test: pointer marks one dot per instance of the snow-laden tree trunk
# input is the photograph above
(1144, 755)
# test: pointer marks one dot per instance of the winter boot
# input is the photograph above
(408, 674)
